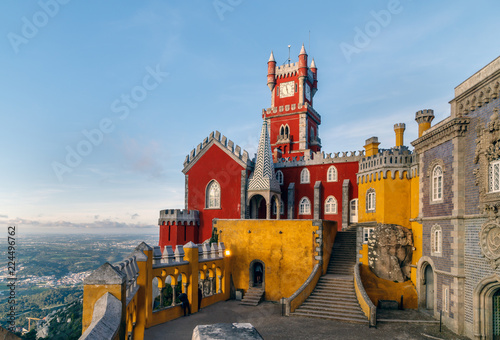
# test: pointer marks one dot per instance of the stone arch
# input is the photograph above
(257, 206)
(253, 274)
(482, 298)
(423, 288)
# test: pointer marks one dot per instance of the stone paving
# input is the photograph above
(267, 319)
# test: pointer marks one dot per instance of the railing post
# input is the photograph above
(173, 295)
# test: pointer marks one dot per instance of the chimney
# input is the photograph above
(424, 119)
(371, 146)
(277, 154)
(399, 129)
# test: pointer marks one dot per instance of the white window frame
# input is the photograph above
(353, 213)
(494, 176)
(436, 240)
(367, 232)
(332, 174)
(371, 200)
(437, 184)
(213, 197)
(305, 206)
(329, 202)
(279, 177)
(305, 176)
(446, 299)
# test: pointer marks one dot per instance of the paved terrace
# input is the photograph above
(267, 319)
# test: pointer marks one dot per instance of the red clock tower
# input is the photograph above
(294, 124)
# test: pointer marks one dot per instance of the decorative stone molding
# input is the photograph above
(440, 133)
(487, 150)
(433, 164)
(489, 241)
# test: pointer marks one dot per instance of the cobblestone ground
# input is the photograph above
(267, 319)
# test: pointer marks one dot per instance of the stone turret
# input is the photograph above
(271, 72)
(424, 119)
(399, 129)
(371, 146)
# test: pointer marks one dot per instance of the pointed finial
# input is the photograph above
(313, 64)
(271, 58)
(303, 50)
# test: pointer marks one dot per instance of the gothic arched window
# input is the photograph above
(304, 176)
(331, 175)
(279, 177)
(437, 183)
(304, 206)
(213, 195)
(331, 205)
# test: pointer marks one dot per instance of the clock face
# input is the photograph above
(287, 89)
(308, 92)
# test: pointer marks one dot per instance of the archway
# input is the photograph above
(429, 287)
(258, 207)
(486, 299)
(257, 274)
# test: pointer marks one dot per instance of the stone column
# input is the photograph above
(291, 201)
(268, 210)
(185, 285)
(317, 200)
(345, 203)
(219, 291)
(173, 295)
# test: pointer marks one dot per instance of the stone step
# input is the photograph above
(333, 299)
(337, 289)
(332, 317)
(336, 310)
(321, 304)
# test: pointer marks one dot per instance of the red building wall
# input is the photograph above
(214, 164)
(345, 170)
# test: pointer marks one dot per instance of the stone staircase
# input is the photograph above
(334, 296)
(253, 296)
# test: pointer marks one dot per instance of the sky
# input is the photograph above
(100, 102)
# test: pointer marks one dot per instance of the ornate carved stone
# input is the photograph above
(487, 150)
(390, 251)
(489, 241)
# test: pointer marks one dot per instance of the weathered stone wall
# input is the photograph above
(390, 252)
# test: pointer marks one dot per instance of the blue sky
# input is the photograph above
(101, 102)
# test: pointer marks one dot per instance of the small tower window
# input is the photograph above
(304, 206)
(370, 200)
(304, 176)
(494, 176)
(213, 195)
(279, 177)
(436, 240)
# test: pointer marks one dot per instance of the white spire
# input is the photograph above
(313, 64)
(271, 58)
(303, 50)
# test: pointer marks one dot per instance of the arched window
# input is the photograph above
(304, 206)
(494, 176)
(436, 240)
(353, 211)
(437, 183)
(279, 177)
(286, 130)
(282, 207)
(370, 200)
(330, 205)
(213, 195)
(304, 176)
(331, 174)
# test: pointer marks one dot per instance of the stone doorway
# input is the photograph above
(257, 274)
(496, 315)
(429, 288)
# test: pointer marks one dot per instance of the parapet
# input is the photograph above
(398, 159)
(315, 158)
(178, 216)
(224, 142)
(424, 115)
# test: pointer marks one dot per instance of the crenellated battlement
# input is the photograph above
(397, 159)
(286, 70)
(290, 108)
(222, 141)
(424, 115)
(178, 216)
(315, 158)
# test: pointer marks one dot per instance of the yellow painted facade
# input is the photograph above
(287, 248)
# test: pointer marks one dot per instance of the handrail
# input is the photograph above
(364, 300)
(307, 283)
